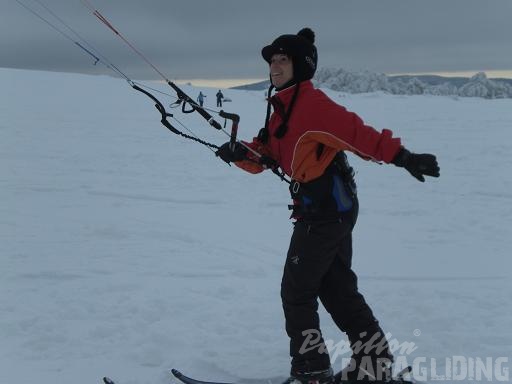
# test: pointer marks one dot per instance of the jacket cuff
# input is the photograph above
(401, 157)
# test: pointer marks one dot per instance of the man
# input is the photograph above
(220, 96)
(306, 136)
(200, 98)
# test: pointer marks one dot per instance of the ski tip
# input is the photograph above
(176, 373)
(404, 372)
(106, 380)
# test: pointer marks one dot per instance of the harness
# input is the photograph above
(329, 196)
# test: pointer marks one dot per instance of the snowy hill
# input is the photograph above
(126, 251)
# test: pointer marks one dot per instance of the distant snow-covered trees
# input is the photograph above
(352, 82)
(358, 82)
(480, 86)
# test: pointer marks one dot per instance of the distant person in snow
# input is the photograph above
(200, 98)
(307, 136)
(220, 96)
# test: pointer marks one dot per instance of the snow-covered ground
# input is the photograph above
(127, 251)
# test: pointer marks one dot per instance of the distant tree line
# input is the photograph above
(359, 82)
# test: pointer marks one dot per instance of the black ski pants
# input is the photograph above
(318, 265)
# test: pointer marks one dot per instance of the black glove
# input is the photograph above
(417, 164)
(225, 153)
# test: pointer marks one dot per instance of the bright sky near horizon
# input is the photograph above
(210, 41)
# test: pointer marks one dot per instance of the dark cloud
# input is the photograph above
(223, 38)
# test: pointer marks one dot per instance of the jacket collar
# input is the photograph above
(285, 95)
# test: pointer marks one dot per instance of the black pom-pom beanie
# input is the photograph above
(301, 48)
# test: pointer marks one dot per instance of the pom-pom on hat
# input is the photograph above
(300, 48)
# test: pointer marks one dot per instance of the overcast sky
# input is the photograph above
(222, 39)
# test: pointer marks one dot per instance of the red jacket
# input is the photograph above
(315, 120)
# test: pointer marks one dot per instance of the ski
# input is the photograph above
(337, 379)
